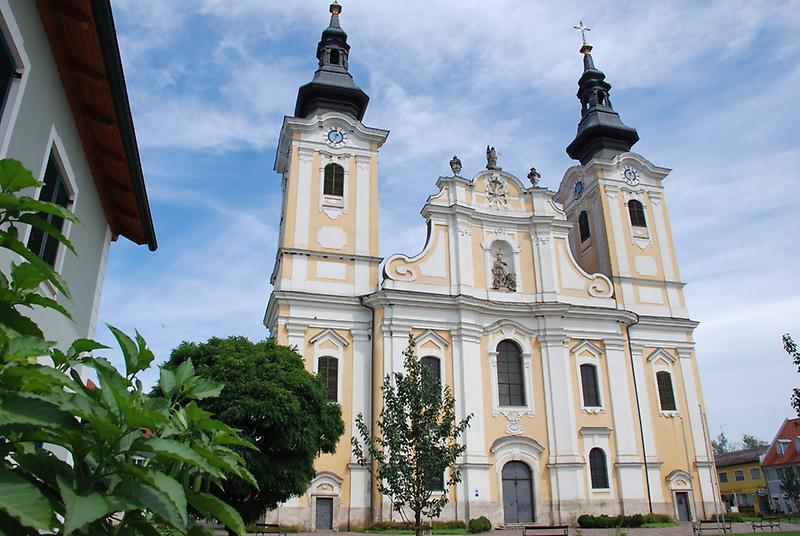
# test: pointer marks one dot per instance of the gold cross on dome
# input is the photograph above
(583, 29)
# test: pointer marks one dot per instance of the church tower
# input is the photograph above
(615, 198)
(327, 258)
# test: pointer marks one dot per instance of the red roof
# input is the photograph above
(787, 435)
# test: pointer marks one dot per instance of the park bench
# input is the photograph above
(770, 522)
(269, 528)
(711, 526)
(545, 530)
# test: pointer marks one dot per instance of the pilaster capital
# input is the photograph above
(614, 344)
(554, 339)
(296, 329)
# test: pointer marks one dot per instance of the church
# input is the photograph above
(558, 319)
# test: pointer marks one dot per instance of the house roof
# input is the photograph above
(737, 457)
(84, 43)
(789, 431)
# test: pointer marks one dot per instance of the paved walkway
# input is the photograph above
(684, 529)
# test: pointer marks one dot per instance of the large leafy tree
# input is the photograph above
(417, 441)
(751, 442)
(790, 485)
(277, 404)
(137, 464)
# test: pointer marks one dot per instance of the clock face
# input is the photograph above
(578, 187)
(336, 136)
(631, 177)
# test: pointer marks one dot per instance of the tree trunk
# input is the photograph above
(418, 523)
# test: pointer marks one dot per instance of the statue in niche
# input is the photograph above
(455, 166)
(502, 279)
(491, 158)
(534, 177)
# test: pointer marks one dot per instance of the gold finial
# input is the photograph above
(586, 48)
(335, 7)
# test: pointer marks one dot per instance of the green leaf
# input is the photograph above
(80, 510)
(167, 382)
(15, 177)
(29, 204)
(149, 498)
(18, 409)
(177, 451)
(19, 248)
(26, 346)
(35, 221)
(129, 351)
(212, 507)
(184, 371)
(172, 489)
(23, 501)
(204, 388)
(145, 355)
(26, 276)
(46, 467)
(48, 303)
(20, 323)
(81, 346)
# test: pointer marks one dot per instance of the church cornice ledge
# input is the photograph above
(667, 322)
(413, 298)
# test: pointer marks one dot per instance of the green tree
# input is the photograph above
(790, 485)
(277, 404)
(751, 442)
(791, 348)
(417, 441)
(138, 464)
(721, 445)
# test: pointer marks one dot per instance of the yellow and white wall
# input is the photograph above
(616, 303)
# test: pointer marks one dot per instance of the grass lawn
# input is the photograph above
(659, 525)
(781, 532)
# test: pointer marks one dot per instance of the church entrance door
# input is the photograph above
(682, 498)
(517, 493)
(324, 519)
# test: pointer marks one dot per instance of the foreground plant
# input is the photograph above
(84, 459)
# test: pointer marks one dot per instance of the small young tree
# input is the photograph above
(751, 442)
(417, 441)
(790, 485)
(791, 348)
(721, 445)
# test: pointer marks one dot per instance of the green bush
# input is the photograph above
(481, 524)
(450, 524)
(658, 518)
(587, 521)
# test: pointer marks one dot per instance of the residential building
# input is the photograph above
(782, 457)
(65, 115)
(741, 481)
(557, 318)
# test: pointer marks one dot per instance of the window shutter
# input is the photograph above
(665, 392)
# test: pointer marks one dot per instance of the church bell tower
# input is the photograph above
(327, 259)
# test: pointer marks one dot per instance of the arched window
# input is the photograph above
(589, 387)
(583, 226)
(510, 384)
(334, 180)
(434, 365)
(636, 211)
(328, 370)
(665, 392)
(598, 469)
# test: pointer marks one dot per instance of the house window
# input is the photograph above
(54, 191)
(589, 387)
(636, 211)
(334, 180)
(509, 374)
(8, 71)
(738, 475)
(665, 392)
(598, 469)
(583, 226)
(723, 477)
(755, 473)
(328, 371)
(434, 366)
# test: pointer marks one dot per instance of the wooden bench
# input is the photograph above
(269, 528)
(545, 530)
(711, 526)
(771, 522)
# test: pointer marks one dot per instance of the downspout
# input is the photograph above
(639, 414)
(555, 446)
(372, 416)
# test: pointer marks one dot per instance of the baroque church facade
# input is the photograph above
(557, 318)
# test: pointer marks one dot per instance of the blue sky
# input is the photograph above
(712, 90)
